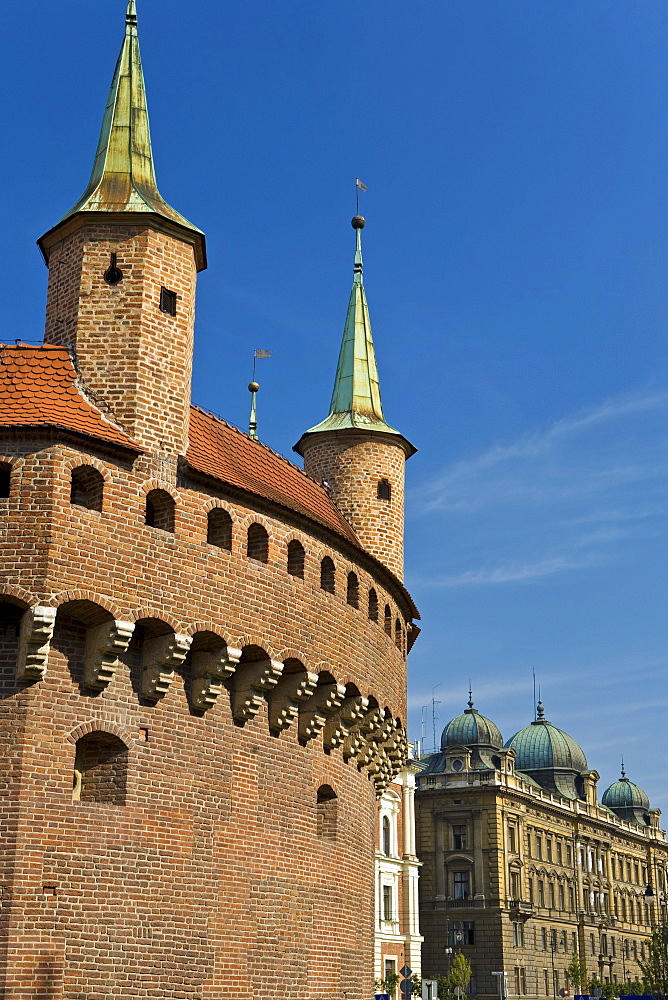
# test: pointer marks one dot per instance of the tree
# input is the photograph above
(460, 971)
(654, 966)
(633, 989)
(577, 976)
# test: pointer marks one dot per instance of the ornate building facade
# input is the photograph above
(523, 866)
(202, 647)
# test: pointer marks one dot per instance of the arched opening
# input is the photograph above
(100, 769)
(10, 627)
(160, 509)
(86, 487)
(296, 559)
(373, 605)
(353, 591)
(388, 620)
(386, 836)
(219, 528)
(258, 543)
(384, 490)
(398, 635)
(5, 480)
(75, 620)
(326, 812)
(328, 575)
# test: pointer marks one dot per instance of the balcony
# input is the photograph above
(520, 907)
(471, 903)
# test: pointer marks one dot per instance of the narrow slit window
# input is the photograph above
(353, 591)
(373, 605)
(296, 559)
(384, 490)
(5, 480)
(168, 301)
(327, 575)
(388, 620)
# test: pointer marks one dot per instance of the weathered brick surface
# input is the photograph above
(212, 878)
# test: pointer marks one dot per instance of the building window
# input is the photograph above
(461, 885)
(518, 934)
(384, 490)
(543, 938)
(560, 857)
(539, 847)
(398, 635)
(562, 898)
(100, 769)
(86, 487)
(327, 575)
(296, 559)
(562, 940)
(592, 944)
(353, 591)
(571, 899)
(520, 981)
(459, 837)
(168, 301)
(531, 890)
(387, 902)
(569, 855)
(219, 528)
(515, 885)
(512, 838)
(5, 479)
(373, 605)
(390, 967)
(160, 509)
(461, 932)
(574, 942)
(257, 545)
(326, 812)
(549, 849)
(388, 620)
(553, 939)
(387, 836)
(541, 892)
(551, 887)
(546, 981)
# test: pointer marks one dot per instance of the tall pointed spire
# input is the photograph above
(356, 402)
(123, 176)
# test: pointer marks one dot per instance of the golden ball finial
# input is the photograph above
(358, 222)
(253, 386)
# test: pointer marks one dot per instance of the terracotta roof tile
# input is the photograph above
(220, 450)
(38, 385)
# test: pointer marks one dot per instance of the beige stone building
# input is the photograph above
(523, 865)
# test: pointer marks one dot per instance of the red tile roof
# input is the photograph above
(39, 385)
(220, 450)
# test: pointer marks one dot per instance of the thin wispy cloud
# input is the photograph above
(569, 497)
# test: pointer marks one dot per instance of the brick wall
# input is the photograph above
(353, 464)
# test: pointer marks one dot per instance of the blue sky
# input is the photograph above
(516, 160)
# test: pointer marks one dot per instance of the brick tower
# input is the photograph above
(122, 274)
(354, 452)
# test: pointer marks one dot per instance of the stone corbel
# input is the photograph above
(105, 643)
(337, 728)
(210, 669)
(35, 641)
(289, 693)
(313, 716)
(360, 733)
(250, 683)
(161, 655)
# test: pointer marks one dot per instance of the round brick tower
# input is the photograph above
(354, 453)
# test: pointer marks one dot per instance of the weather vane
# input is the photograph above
(253, 388)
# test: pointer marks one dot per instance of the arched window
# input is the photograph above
(327, 575)
(100, 769)
(398, 635)
(386, 836)
(86, 487)
(388, 620)
(384, 490)
(160, 510)
(5, 479)
(353, 591)
(326, 812)
(258, 543)
(219, 528)
(373, 605)
(296, 559)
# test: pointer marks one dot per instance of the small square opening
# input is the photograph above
(168, 301)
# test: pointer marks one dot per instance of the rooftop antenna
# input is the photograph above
(253, 388)
(423, 725)
(434, 703)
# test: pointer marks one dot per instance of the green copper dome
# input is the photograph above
(549, 755)
(627, 800)
(471, 729)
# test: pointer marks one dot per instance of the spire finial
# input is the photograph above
(358, 223)
(253, 388)
(540, 710)
(131, 15)
(623, 769)
(470, 695)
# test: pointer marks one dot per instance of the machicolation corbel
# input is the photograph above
(249, 684)
(313, 716)
(105, 643)
(35, 642)
(337, 728)
(210, 668)
(291, 690)
(161, 655)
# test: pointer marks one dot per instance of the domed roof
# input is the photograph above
(541, 746)
(624, 794)
(471, 729)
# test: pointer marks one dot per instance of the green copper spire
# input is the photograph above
(123, 175)
(356, 402)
